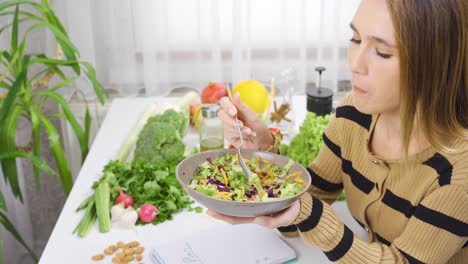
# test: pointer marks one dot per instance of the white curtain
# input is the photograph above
(148, 47)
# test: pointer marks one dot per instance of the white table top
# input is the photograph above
(64, 247)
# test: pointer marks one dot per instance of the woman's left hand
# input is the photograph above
(283, 218)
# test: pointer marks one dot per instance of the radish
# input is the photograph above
(124, 199)
(148, 213)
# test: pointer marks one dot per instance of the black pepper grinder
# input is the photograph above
(319, 100)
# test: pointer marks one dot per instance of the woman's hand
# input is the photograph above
(283, 218)
(254, 132)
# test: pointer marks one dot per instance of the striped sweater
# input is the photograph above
(415, 210)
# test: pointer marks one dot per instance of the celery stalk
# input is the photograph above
(102, 198)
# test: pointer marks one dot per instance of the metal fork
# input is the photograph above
(241, 160)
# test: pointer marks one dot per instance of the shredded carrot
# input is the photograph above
(293, 174)
(258, 163)
(224, 176)
(298, 179)
(203, 181)
(215, 171)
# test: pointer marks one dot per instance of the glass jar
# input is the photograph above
(282, 109)
(211, 128)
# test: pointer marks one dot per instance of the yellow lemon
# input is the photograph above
(253, 94)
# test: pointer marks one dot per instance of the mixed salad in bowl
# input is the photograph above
(223, 178)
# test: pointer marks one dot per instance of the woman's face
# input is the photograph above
(373, 59)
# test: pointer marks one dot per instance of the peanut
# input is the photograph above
(113, 248)
(108, 251)
(116, 260)
(120, 254)
(133, 244)
(129, 252)
(120, 244)
(139, 250)
(128, 258)
(98, 257)
(139, 257)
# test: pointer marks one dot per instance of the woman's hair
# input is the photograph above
(432, 40)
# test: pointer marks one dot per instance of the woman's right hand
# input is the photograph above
(254, 132)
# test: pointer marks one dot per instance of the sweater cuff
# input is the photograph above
(289, 231)
(318, 223)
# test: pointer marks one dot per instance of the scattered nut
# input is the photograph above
(139, 250)
(129, 252)
(98, 257)
(133, 244)
(128, 258)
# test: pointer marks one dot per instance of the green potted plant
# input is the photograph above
(22, 98)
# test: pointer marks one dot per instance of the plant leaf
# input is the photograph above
(18, 2)
(71, 120)
(8, 144)
(48, 61)
(51, 64)
(36, 139)
(64, 83)
(2, 203)
(52, 18)
(91, 73)
(9, 100)
(21, 12)
(67, 46)
(14, 32)
(36, 160)
(11, 228)
(59, 154)
(87, 126)
(5, 85)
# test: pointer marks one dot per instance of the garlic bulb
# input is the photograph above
(117, 212)
(128, 218)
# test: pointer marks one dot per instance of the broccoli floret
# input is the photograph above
(173, 152)
(159, 143)
(178, 119)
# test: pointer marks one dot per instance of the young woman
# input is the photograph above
(398, 144)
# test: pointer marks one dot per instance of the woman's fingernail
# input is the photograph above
(254, 134)
(231, 112)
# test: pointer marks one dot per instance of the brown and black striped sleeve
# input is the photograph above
(437, 230)
(325, 171)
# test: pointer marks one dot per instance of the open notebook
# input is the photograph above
(226, 244)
